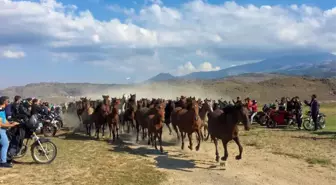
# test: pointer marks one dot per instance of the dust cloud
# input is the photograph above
(160, 90)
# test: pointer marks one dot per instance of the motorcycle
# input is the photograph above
(51, 124)
(308, 123)
(43, 151)
(280, 118)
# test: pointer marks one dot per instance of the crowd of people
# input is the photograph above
(19, 109)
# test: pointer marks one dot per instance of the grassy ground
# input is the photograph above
(83, 161)
(313, 147)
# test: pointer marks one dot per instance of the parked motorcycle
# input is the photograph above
(308, 123)
(51, 124)
(43, 151)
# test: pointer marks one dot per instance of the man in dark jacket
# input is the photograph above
(15, 106)
(36, 108)
(314, 109)
(297, 106)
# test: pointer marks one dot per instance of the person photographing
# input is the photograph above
(4, 125)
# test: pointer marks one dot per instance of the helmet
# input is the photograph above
(33, 122)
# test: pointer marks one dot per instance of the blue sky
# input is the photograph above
(108, 41)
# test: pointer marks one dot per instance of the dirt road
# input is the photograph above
(257, 166)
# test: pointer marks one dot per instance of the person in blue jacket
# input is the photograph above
(4, 125)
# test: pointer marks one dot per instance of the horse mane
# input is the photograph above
(98, 107)
(231, 108)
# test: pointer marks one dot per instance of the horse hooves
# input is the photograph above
(197, 148)
(190, 147)
(161, 150)
(223, 158)
(238, 157)
(217, 158)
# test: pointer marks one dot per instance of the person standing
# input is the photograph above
(314, 109)
(4, 125)
(298, 111)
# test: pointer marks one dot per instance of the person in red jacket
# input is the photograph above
(254, 108)
(249, 104)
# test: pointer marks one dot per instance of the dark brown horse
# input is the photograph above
(80, 108)
(223, 125)
(107, 109)
(100, 117)
(155, 125)
(113, 119)
(170, 106)
(141, 117)
(87, 117)
(129, 115)
(203, 113)
(188, 122)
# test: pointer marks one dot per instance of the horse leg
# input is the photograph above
(199, 140)
(190, 141)
(117, 129)
(155, 136)
(170, 130)
(113, 131)
(236, 139)
(177, 132)
(182, 138)
(225, 142)
(149, 138)
(143, 133)
(216, 146)
(97, 130)
(137, 127)
(103, 130)
(160, 140)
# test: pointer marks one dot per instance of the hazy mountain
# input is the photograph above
(324, 70)
(162, 77)
(299, 64)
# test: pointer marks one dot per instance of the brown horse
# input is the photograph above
(80, 108)
(168, 110)
(107, 109)
(155, 125)
(223, 125)
(203, 113)
(113, 119)
(141, 117)
(188, 122)
(129, 115)
(100, 117)
(87, 117)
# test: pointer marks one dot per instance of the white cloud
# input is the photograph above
(226, 32)
(189, 68)
(13, 54)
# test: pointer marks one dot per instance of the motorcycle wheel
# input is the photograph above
(48, 148)
(60, 124)
(22, 153)
(271, 124)
(262, 120)
(308, 124)
(49, 130)
(322, 122)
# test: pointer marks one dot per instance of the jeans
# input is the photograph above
(252, 117)
(4, 145)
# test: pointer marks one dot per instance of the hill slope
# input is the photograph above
(263, 87)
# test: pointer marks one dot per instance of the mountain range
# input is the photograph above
(321, 65)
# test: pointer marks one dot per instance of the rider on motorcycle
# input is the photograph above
(315, 109)
(4, 124)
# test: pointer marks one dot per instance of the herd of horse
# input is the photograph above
(185, 115)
